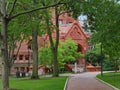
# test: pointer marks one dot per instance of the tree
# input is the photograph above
(4, 48)
(36, 21)
(68, 6)
(93, 56)
(67, 52)
(103, 20)
(8, 13)
(45, 56)
(16, 35)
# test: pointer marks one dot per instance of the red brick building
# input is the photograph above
(69, 28)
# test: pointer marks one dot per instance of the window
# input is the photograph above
(29, 47)
(14, 57)
(20, 57)
(26, 57)
(16, 68)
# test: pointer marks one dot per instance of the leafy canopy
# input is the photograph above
(67, 51)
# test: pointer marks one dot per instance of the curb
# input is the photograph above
(107, 84)
(66, 83)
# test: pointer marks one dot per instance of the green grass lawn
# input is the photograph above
(41, 84)
(112, 78)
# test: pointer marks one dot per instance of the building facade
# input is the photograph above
(69, 29)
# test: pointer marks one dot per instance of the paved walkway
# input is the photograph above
(86, 81)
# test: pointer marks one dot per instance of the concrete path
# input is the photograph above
(86, 81)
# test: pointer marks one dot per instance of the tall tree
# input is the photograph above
(36, 20)
(4, 48)
(103, 19)
(8, 13)
(16, 36)
(68, 6)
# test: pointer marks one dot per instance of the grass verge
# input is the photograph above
(41, 84)
(112, 78)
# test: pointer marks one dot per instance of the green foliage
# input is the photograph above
(18, 27)
(94, 56)
(111, 63)
(103, 18)
(45, 56)
(108, 65)
(67, 51)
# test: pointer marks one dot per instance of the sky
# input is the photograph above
(81, 19)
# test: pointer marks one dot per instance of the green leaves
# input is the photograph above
(104, 15)
(45, 56)
(67, 51)
(93, 56)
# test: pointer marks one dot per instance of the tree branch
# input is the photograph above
(19, 46)
(12, 9)
(33, 10)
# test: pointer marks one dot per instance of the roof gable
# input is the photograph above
(76, 32)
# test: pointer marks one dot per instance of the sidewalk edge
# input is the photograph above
(66, 83)
(107, 83)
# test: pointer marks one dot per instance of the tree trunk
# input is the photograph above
(9, 71)
(4, 48)
(35, 54)
(55, 50)
(116, 68)
(101, 59)
(54, 46)
(55, 63)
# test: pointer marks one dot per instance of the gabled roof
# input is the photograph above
(73, 30)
